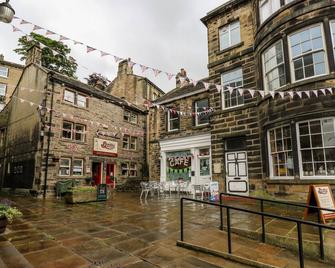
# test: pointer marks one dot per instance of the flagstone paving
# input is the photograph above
(124, 232)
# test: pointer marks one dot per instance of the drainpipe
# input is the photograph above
(49, 140)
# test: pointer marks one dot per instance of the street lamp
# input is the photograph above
(6, 12)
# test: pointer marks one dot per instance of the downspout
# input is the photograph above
(49, 138)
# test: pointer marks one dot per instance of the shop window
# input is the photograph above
(178, 165)
(316, 140)
(73, 131)
(3, 71)
(280, 152)
(75, 98)
(130, 117)
(173, 120)
(204, 161)
(64, 166)
(307, 52)
(233, 79)
(332, 29)
(230, 35)
(202, 114)
(78, 167)
(129, 142)
(3, 89)
(274, 67)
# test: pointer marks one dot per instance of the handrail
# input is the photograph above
(299, 222)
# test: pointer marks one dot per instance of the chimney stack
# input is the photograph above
(2, 57)
(124, 67)
(34, 55)
(181, 78)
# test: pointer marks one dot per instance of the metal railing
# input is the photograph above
(262, 200)
(263, 214)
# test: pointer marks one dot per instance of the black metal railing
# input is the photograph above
(262, 200)
(298, 222)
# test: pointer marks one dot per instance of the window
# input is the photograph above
(267, 8)
(130, 117)
(308, 57)
(280, 152)
(75, 98)
(274, 67)
(3, 88)
(232, 79)
(230, 35)
(73, 131)
(201, 107)
(173, 120)
(129, 142)
(124, 169)
(3, 71)
(78, 167)
(332, 29)
(316, 139)
(64, 166)
(132, 170)
(204, 160)
(2, 106)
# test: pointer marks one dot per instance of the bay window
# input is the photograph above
(230, 35)
(232, 79)
(268, 7)
(316, 140)
(280, 152)
(307, 53)
(274, 67)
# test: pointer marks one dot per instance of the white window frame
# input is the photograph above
(272, 177)
(4, 87)
(196, 113)
(4, 72)
(223, 91)
(126, 169)
(82, 167)
(65, 129)
(304, 54)
(129, 140)
(266, 86)
(132, 169)
(229, 29)
(332, 32)
(60, 166)
(83, 102)
(209, 157)
(169, 121)
(82, 133)
(302, 176)
(66, 99)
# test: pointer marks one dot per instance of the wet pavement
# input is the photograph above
(124, 232)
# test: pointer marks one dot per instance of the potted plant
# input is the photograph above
(7, 214)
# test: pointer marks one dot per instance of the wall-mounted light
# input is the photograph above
(6, 12)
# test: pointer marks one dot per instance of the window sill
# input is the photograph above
(73, 141)
(74, 106)
(229, 48)
(201, 126)
(134, 124)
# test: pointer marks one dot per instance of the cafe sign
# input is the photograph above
(178, 165)
(104, 147)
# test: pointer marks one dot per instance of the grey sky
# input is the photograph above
(163, 34)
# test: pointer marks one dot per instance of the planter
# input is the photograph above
(3, 224)
(80, 197)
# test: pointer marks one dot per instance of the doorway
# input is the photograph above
(110, 174)
(237, 173)
(97, 172)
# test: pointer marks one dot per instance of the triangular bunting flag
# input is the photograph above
(206, 85)
(16, 18)
(241, 91)
(131, 64)
(218, 88)
(194, 82)
(143, 68)
(230, 89)
(329, 89)
(49, 32)
(169, 76)
(156, 72)
(307, 93)
(77, 42)
(24, 22)
(252, 92)
(36, 28)
(116, 58)
(90, 49)
(261, 93)
(272, 93)
(290, 93)
(103, 54)
(15, 29)
(323, 90)
(281, 94)
(299, 93)
(63, 38)
(315, 92)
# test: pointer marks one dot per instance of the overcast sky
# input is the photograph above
(163, 34)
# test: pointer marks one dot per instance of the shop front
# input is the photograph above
(187, 159)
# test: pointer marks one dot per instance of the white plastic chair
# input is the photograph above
(145, 189)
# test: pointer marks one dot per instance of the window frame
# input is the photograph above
(74, 96)
(266, 86)
(127, 139)
(125, 169)
(128, 116)
(169, 121)
(229, 29)
(64, 129)
(82, 167)
(236, 90)
(204, 157)
(6, 72)
(77, 100)
(301, 171)
(83, 133)
(291, 59)
(60, 166)
(5, 89)
(130, 169)
(269, 153)
(196, 113)
(332, 34)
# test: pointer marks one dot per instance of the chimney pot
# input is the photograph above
(34, 55)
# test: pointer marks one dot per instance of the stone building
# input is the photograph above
(285, 141)
(58, 128)
(180, 141)
(10, 74)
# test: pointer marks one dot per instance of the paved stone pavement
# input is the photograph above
(124, 232)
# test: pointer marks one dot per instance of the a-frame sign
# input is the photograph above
(321, 196)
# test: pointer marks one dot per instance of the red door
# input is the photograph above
(110, 173)
(96, 169)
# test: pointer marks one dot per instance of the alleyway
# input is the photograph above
(124, 232)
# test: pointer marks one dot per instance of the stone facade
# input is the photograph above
(9, 77)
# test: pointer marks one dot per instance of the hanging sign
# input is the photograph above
(105, 147)
(321, 196)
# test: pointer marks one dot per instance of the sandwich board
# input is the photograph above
(321, 196)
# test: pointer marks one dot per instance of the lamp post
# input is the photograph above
(6, 12)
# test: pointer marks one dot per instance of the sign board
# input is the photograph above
(104, 147)
(321, 196)
(101, 192)
(214, 189)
